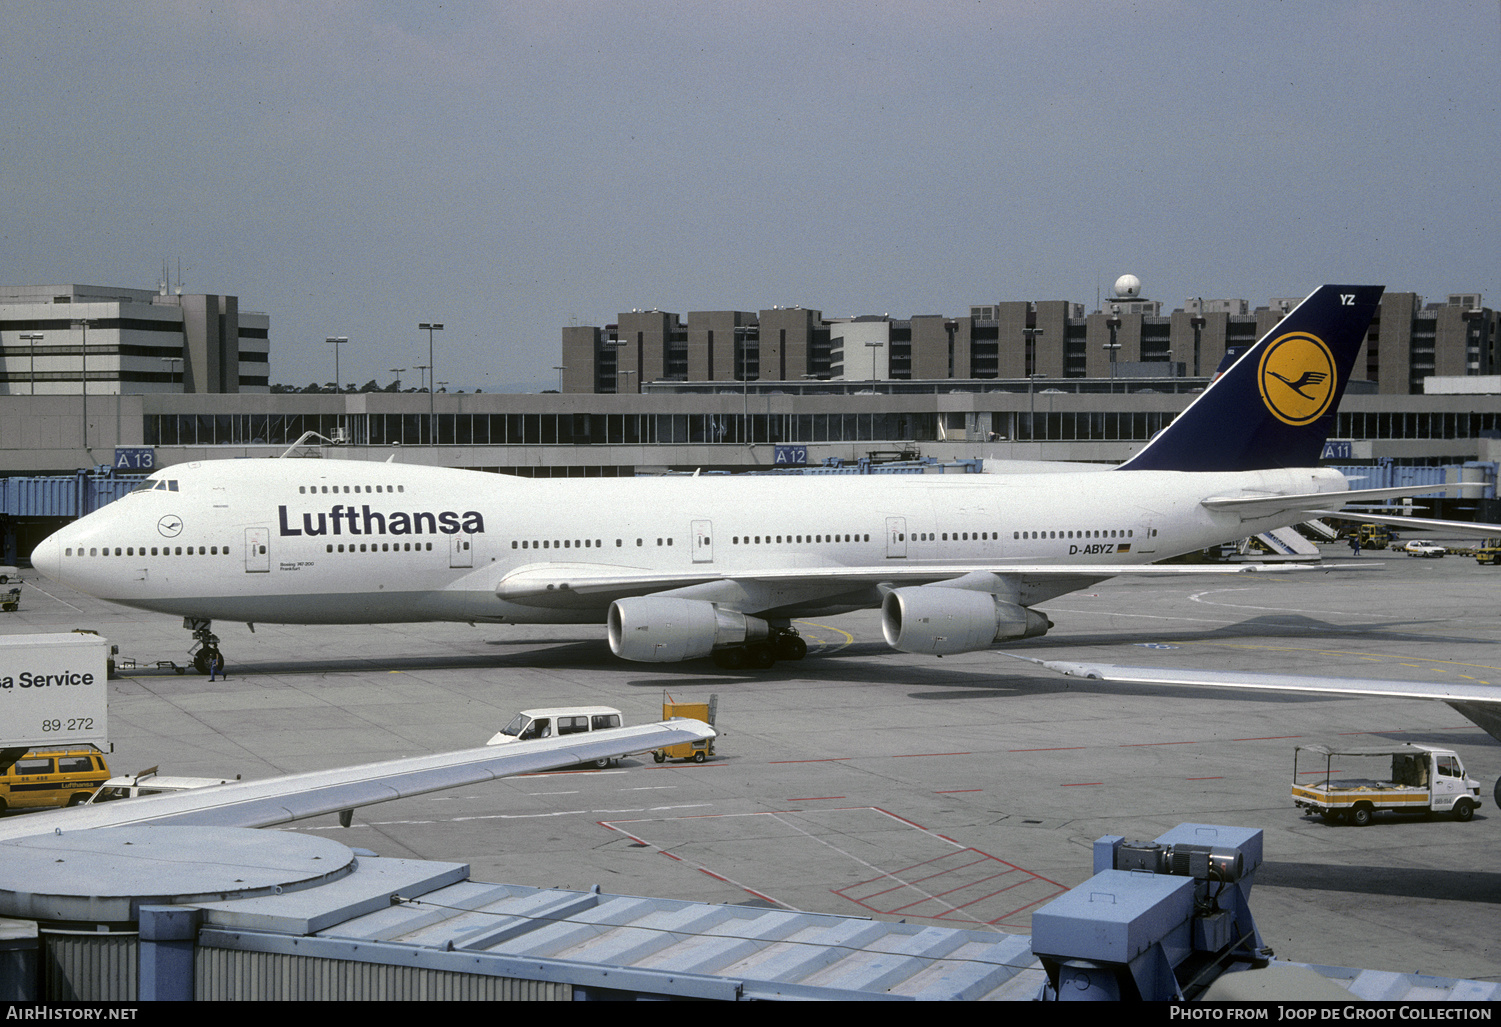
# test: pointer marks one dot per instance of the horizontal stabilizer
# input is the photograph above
(1464, 529)
(1311, 503)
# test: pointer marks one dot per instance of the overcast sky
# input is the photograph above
(512, 168)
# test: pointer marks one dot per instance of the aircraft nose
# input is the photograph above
(47, 557)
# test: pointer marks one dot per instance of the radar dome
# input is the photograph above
(1128, 287)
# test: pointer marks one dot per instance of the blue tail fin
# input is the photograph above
(1276, 405)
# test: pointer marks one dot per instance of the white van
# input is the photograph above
(149, 782)
(556, 722)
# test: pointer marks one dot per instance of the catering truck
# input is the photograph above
(52, 693)
(1360, 781)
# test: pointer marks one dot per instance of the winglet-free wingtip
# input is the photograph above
(1067, 669)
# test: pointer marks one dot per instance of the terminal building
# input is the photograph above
(71, 340)
(727, 391)
(1408, 342)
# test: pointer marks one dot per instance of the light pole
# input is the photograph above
(422, 378)
(85, 323)
(618, 346)
(336, 341)
(32, 338)
(560, 368)
(1198, 322)
(171, 370)
(1032, 407)
(432, 410)
(1112, 322)
(1029, 366)
(873, 346)
(397, 372)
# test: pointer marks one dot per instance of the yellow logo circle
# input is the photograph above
(1297, 378)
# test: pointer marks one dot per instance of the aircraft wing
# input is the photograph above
(1477, 702)
(278, 800)
(562, 586)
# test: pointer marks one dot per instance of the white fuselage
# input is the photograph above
(332, 541)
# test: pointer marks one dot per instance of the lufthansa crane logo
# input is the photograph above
(1297, 378)
(169, 525)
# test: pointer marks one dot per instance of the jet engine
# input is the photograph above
(939, 620)
(661, 629)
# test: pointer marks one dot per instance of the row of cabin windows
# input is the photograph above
(757, 540)
(958, 536)
(164, 551)
(305, 489)
(574, 543)
(1100, 533)
(383, 547)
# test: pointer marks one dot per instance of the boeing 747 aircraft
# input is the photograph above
(682, 568)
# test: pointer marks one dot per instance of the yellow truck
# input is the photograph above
(1375, 779)
(707, 712)
(1489, 552)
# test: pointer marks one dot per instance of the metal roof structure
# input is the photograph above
(316, 920)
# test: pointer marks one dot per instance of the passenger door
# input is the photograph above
(257, 550)
(703, 542)
(461, 550)
(896, 538)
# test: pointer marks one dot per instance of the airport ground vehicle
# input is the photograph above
(1422, 779)
(1375, 536)
(10, 599)
(149, 782)
(1422, 547)
(61, 776)
(1489, 552)
(9, 574)
(697, 751)
(556, 722)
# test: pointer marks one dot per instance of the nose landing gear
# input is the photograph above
(205, 648)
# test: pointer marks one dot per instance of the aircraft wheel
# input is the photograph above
(1362, 815)
(758, 656)
(602, 764)
(1463, 810)
(732, 658)
(790, 647)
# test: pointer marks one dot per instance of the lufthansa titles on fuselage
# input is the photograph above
(347, 520)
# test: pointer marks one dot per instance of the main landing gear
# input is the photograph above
(205, 647)
(782, 644)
